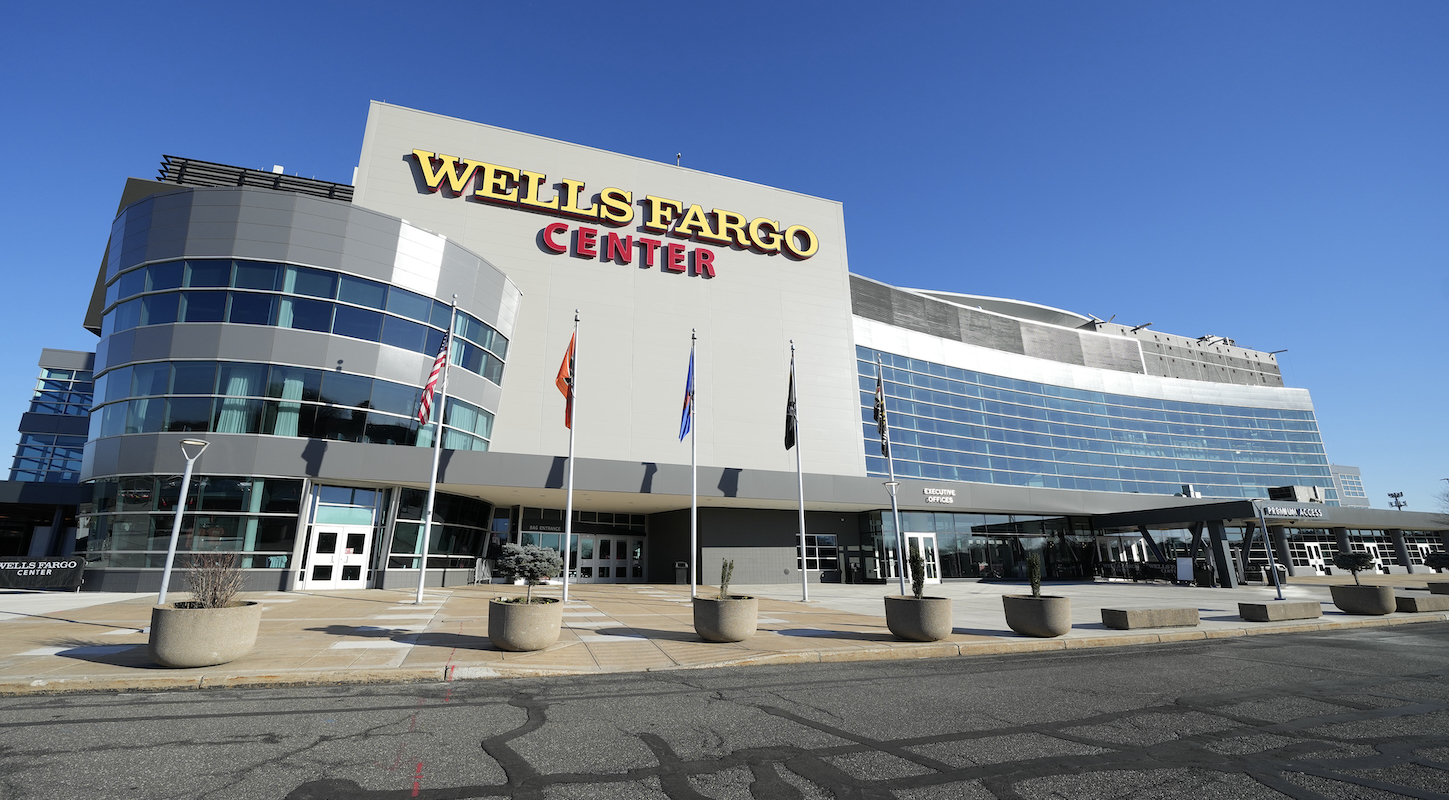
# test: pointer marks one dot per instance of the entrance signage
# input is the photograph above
(525, 190)
(940, 495)
(1290, 511)
(41, 573)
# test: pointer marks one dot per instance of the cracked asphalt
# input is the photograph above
(1348, 714)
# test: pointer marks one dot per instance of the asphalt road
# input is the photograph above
(1354, 714)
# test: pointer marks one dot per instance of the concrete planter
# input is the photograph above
(924, 620)
(1438, 588)
(733, 619)
(1367, 600)
(518, 627)
(1043, 616)
(202, 637)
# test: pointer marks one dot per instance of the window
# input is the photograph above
(821, 553)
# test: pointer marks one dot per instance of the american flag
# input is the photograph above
(433, 379)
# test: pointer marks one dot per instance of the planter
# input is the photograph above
(924, 620)
(732, 619)
(184, 637)
(1368, 600)
(1043, 616)
(518, 627)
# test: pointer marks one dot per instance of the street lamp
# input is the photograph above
(1396, 499)
(187, 446)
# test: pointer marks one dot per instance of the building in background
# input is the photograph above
(38, 505)
(1349, 484)
(292, 323)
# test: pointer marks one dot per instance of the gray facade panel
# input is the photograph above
(990, 330)
(1053, 344)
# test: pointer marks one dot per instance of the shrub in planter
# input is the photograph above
(1037, 615)
(1437, 561)
(728, 617)
(1360, 599)
(918, 618)
(526, 623)
(211, 628)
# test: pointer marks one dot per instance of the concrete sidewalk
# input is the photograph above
(383, 636)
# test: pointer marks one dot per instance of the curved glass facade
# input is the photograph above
(301, 298)
(949, 423)
(275, 400)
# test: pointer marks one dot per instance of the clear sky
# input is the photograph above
(1277, 173)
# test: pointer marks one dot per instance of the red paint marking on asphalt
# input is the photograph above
(448, 695)
(397, 762)
(413, 723)
(418, 779)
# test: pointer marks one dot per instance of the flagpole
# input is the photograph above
(892, 484)
(573, 423)
(800, 480)
(693, 477)
(437, 453)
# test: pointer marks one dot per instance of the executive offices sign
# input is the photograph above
(525, 190)
(41, 573)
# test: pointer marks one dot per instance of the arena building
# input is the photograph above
(291, 323)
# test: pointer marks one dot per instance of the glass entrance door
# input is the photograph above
(608, 559)
(339, 557)
(923, 543)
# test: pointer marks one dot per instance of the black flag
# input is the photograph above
(790, 422)
(880, 414)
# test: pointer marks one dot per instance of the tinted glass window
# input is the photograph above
(311, 282)
(441, 313)
(357, 322)
(251, 309)
(150, 379)
(127, 315)
(294, 383)
(118, 384)
(306, 315)
(159, 309)
(256, 275)
(193, 377)
(132, 283)
(242, 380)
(204, 306)
(408, 304)
(188, 414)
(280, 496)
(403, 333)
(382, 429)
(208, 273)
(346, 390)
(394, 397)
(341, 424)
(363, 292)
(163, 276)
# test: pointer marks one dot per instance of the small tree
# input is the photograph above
(726, 571)
(1437, 560)
(918, 573)
(214, 579)
(1353, 562)
(1033, 573)
(530, 562)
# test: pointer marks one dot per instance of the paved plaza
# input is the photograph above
(78, 642)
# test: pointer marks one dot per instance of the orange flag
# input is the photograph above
(565, 383)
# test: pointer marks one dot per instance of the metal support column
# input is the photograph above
(1222, 559)
(1401, 549)
(1340, 535)
(1152, 545)
(1279, 535)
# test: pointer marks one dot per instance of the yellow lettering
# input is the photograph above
(571, 200)
(764, 234)
(791, 244)
(661, 212)
(532, 185)
(694, 222)
(616, 206)
(728, 226)
(447, 168)
(496, 183)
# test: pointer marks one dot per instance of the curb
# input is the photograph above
(455, 672)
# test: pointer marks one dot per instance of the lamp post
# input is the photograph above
(1396, 499)
(187, 445)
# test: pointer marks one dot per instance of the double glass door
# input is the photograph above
(923, 543)
(339, 557)
(602, 558)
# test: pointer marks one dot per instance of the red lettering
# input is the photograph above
(621, 250)
(704, 262)
(551, 230)
(675, 260)
(587, 245)
(647, 247)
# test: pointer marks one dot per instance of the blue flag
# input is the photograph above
(686, 419)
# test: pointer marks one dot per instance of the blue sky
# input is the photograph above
(1272, 172)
